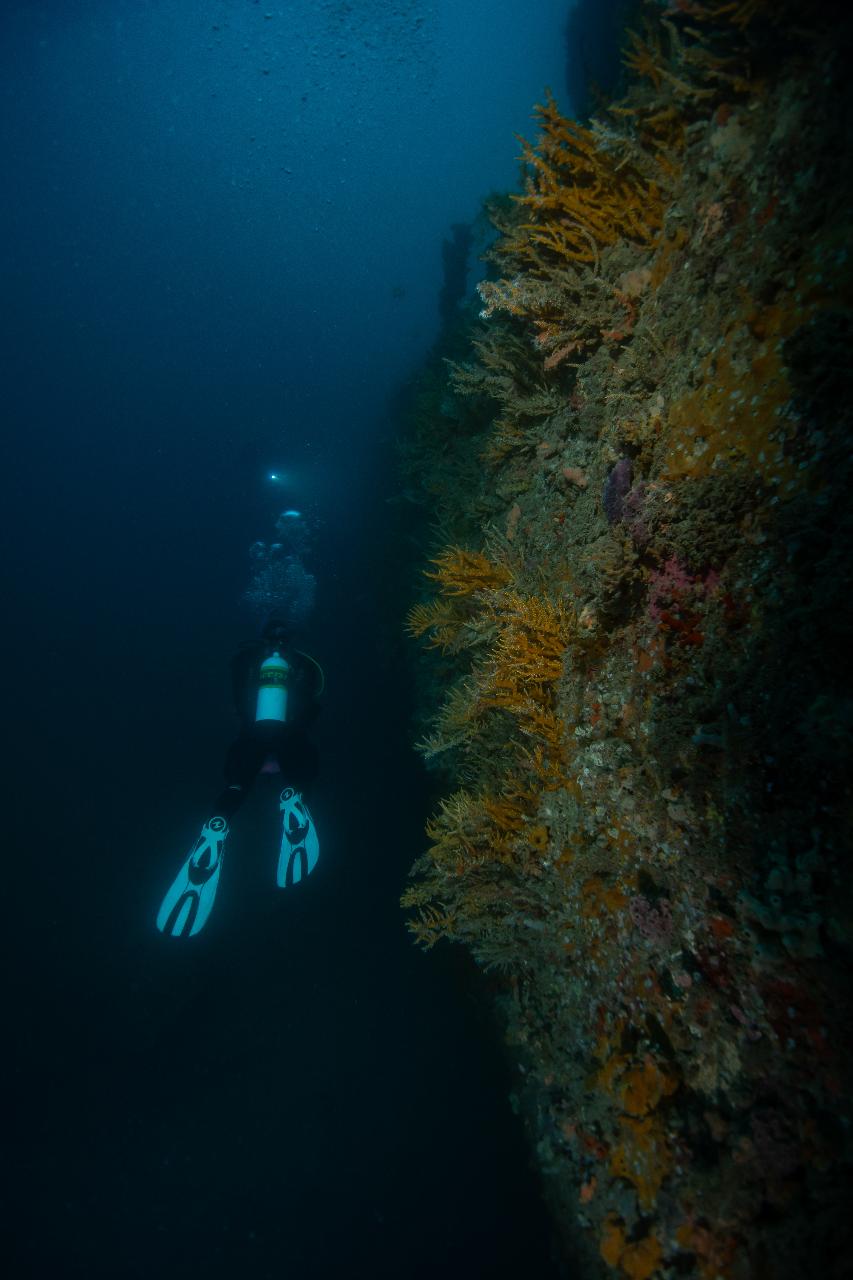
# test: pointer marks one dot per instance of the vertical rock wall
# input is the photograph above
(638, 623)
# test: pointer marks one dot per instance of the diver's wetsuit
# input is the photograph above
(259, 740)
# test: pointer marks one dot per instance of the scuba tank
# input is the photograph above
(272, 688)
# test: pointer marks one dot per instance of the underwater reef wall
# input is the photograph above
(636, 626)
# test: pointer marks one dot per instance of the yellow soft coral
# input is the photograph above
(455, 829)
(581, 198)
(455, 723)
(739, 13)
(532, 638)
(463, 573)
(431, 925)
(648, 59)
(439, 618)
(460, 574)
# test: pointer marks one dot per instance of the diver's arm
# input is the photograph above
(307, 683)
(312, 675)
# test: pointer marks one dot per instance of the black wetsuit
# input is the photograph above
(259, 740)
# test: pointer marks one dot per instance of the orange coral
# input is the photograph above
(431, 925)
(454, 829)
(733, 414)
(643, 1157)
(739, 13)
(537, 838)
(639, 1260)
(581, 199)
(463, 573)
(469, 830)
(522, 672)
(643, 1087)
(440, 619)
(648, 59)
(505, 814)
(599, 899)
(530, 651)
(612, 1241)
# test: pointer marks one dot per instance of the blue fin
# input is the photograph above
(187, 905)
(300, 847)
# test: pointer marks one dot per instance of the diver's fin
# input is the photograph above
(300, 847)
(187, 904)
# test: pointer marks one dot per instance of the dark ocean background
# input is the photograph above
(221, 241)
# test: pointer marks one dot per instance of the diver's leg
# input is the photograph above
(298, 759)
(300, 847)
(243, 760)
(189, 900)
(230, 798)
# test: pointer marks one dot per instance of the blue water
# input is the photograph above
(221, 252)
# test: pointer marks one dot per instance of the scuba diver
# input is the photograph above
(277, 689)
